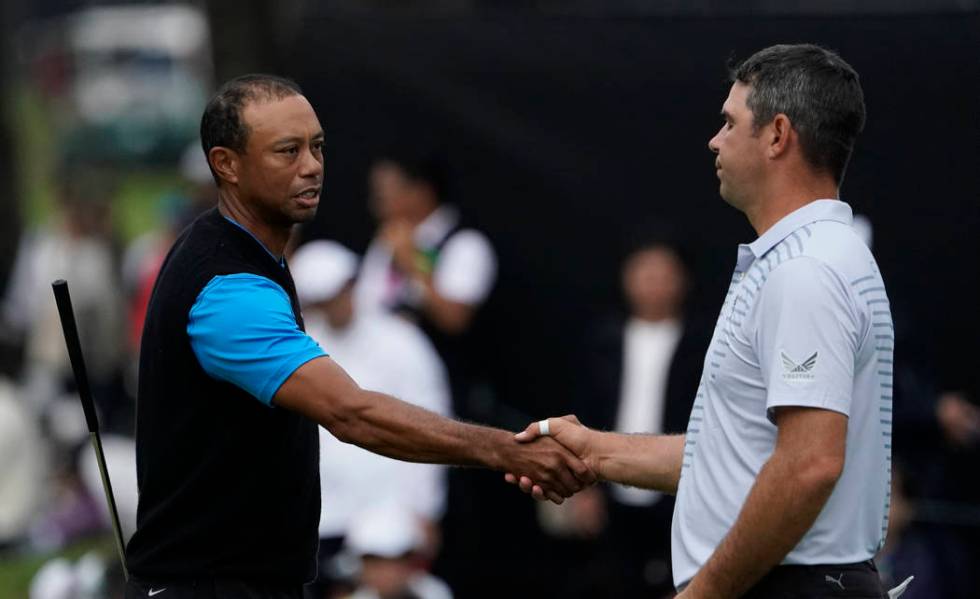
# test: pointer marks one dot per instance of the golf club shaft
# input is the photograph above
(70, 329)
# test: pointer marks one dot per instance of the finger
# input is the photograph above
(510, 478)
(571, 418)
(582, 472)
(531, 433)
(555, 497)
(567, 485)
(526, 484)
(578, 467)
(556, 477)
(538, 493)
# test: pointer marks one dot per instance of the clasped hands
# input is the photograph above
(568, 442)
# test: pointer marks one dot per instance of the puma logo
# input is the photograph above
(836, 581)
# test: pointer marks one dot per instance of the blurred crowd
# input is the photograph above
(411, 317)
(401, 319)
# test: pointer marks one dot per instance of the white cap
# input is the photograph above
(321, 269)
(390, 530)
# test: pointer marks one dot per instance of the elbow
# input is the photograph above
(343, 420)
(341, 427)
(820, 473)
(452, 318)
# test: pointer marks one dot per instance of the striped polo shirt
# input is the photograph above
(806, 322)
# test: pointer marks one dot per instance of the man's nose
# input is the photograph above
(312, 164)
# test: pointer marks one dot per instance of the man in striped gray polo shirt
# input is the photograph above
(782, 477)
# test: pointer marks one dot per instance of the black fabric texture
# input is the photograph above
(229, 487)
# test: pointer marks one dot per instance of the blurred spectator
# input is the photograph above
(75, 246)
(426, 265)
(382, 353)
(22, 466)
(387, 540)
(959, 420)
(423, 263)
(91, 577)
(642, 373)
(120, 458)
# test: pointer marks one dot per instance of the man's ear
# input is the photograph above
(225, 163)
(780, 131)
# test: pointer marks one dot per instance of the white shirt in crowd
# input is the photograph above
(386, 354)
(648, 350)
(465, 271)
(806, 322)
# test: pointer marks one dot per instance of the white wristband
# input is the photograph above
(543, 428)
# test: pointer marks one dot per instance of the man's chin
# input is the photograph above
(728, 197)
(303, 214)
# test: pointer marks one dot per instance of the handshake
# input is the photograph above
(564, 466)
(573, 457)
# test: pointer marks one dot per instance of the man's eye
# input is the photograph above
(289, 150)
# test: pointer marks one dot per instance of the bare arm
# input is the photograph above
(322, 391)
(647, 461)
(786, 499)
(449, 316)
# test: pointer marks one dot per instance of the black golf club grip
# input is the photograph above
(63, 299)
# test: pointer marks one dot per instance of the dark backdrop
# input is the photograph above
(568, 135)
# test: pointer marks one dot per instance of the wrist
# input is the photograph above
(595, 456)
(495, 453)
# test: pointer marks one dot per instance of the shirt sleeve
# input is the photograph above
(466, 269)
(807, 338)
(243, 331)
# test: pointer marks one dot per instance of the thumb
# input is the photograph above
(529, 434)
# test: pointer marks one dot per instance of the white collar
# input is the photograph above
(434, 228)
(817, 210)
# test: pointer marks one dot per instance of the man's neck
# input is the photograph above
(273, 237)
(422, 215)
(655, 316)
(785, 199)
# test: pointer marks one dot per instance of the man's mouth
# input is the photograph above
(309, 196)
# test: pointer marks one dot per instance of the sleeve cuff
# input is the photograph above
(827, 402)
(272, 386)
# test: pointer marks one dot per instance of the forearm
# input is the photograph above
(399, 430)
(449, 316)
(323, 392)
(783, 504)
(646, 461)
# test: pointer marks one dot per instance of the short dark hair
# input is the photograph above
(819, 92)
(222, 123)
(663, 243)
(422, 165)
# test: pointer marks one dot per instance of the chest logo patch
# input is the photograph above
(802, 372)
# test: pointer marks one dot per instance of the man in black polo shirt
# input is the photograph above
(231, 389)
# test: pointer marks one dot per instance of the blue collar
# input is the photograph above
(280, 259)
